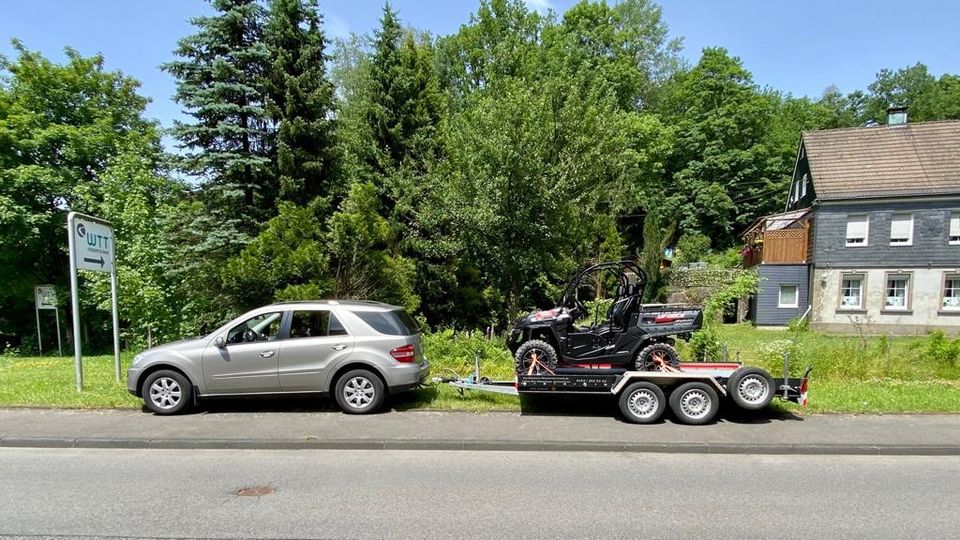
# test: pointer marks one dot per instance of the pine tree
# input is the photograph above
(300, 101)
(219, 83)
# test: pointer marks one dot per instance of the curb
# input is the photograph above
(482, 445)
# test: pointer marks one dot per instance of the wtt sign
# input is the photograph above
(92, 248)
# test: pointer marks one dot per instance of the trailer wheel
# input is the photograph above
(536, 357)
(655, 356)
(642, 403)
(751, 388)
(694, 403)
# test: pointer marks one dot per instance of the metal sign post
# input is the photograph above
(92, 245)
(46, 298)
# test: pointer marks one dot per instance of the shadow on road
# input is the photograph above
(581, 405)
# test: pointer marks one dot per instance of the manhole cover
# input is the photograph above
(255, 491)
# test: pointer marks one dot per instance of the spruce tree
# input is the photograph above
(219, 83)
(404, 111)
(300, 101)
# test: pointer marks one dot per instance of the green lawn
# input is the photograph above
(50, 382)
(851, 374)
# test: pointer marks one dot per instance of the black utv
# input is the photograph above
(633, 335)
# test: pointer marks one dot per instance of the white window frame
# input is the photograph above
(866, 230)
(947, 277)
(909, 240)
(863, 291)
(803, 188)
(907, 293)
(796, 296)
(952, 239)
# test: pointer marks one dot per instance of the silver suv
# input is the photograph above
(358, 351)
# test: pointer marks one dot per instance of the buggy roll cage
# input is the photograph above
(625, 285)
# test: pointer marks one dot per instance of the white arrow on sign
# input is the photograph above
(94, 243)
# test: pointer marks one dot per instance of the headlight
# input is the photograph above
(137, 359)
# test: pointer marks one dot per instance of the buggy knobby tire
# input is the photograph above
(694, 403)
(167, 392)
(359, 391)
(642, 403)
(648, 356)
(540, 354)
(751, 388)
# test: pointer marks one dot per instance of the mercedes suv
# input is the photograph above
(357, 351)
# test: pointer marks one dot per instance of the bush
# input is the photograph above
(450, 351)
(939, 349)
(799, 324)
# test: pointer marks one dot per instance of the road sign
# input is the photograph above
(94, 243)
(92, 248)
(46, 297)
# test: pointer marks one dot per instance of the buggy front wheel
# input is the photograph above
(536, 357)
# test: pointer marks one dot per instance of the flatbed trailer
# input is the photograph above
(693, 391)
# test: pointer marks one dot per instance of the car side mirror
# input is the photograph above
(219, 343)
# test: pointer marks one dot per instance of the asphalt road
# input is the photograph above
(450, 494)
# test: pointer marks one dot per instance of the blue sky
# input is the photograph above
(798, 47)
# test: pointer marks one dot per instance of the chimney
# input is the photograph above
(896, 116)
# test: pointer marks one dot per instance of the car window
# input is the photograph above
(392, 323)
(264, 327)
(315, 323)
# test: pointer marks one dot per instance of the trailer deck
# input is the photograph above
(707, 382)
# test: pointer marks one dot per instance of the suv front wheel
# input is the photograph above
(166, 392)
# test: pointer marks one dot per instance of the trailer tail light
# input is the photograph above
(803, 393)
(666, 319)
(405, 354)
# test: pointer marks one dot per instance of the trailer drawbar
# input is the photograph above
(692, 391)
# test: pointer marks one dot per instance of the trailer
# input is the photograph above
(692, 391)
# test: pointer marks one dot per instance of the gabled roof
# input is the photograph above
(885, 161)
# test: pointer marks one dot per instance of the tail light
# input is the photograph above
(405, 354)
(666, 319)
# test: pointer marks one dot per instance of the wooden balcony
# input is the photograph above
(786, 244)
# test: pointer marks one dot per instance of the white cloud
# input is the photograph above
(539, 5)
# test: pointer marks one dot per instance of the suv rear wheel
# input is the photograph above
(359, 391)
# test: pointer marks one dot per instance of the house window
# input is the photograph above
(955, 229)
(951, 292)
(851, 291)
(857, 227)
(901, 230)
(898, 292)
(788, 296)
(803, 185)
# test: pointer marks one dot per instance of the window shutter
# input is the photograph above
(856, 227)
(900, 226)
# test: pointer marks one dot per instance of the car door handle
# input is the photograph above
(267, 354)
(339, 347)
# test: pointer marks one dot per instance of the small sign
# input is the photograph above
(46, 297)
(94, 243)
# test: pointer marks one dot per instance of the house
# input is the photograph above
(870, 237)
